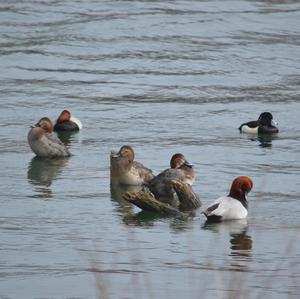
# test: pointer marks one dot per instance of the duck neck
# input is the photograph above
(244, 202)
(241, 197)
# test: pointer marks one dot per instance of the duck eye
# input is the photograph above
(125, 152)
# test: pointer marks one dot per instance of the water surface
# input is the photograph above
(164, 77)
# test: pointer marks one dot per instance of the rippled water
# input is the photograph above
(165, 77)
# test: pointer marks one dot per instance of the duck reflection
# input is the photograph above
(126, 209)
(240, 241)
(141, 218)
(148, 219)
(41, 172)
(116, 193)
(265, 140)
(68, 137)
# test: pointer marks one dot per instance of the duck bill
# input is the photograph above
(115, 155)
(274, 123)
(186, 163)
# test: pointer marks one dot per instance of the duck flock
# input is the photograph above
(173, 186)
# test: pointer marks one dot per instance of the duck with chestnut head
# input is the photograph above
(43, 143)
(234, 205)
(67, 123)
(170, 192)
(162, 186)
(125, 170)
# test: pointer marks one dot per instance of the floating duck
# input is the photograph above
(43, 143)
(124, 170)
(233, 206)
(264, 125)
(67, 123)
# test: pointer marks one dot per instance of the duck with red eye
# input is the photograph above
(233, 206)
(162, 186)
(43, 143)
(67, 123)
(125, 171)
(264, 125)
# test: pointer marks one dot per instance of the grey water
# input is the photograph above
(164, 77)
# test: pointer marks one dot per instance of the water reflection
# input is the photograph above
(126, 209)
(123, 207)
(41, 173)
(240, 241)
(265, 140)
(68, 137)
(142, 218)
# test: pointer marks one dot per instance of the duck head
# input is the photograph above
(240, 187)
(179, 161)
(266, 119)
(64, 116)
(126, 152)
(46, 124)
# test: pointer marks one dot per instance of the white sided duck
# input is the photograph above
(233, 206)
(67, 123)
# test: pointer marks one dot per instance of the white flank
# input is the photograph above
(229, 208)
(76, 121)
(249, 130)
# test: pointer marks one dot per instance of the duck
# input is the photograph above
(179, 161)
(124, 170)
(67, 122)
(162, 187)
(43, 143)
(263, 125)
(233, 206)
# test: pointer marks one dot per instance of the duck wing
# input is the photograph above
(57, 147)
(251, 124)
(161, 185)
(225, 208)
(53, 139)
(217, 208)
(144, 172)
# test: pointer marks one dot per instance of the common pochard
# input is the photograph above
(124, 170)
(162, 187)
(43, 143)
(67, 122)
(233, 206)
